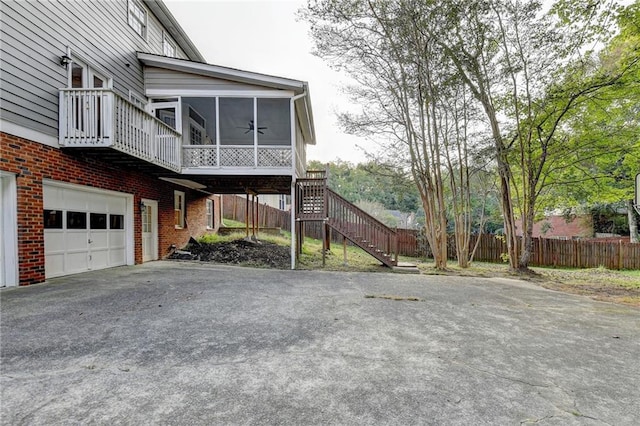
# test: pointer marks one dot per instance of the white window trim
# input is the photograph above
(180, 208)
(144, 24)
(210, 214)
(166, 41)
(89, 70)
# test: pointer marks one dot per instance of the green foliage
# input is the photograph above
(216, 238)
(600, 150)
(371, 182)
(610, 218)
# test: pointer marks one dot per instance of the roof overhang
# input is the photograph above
(303, 102)
(225, 73)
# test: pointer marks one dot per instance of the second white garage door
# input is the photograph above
(85, 229)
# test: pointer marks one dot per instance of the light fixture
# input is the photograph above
(142, 206)
(65, 60)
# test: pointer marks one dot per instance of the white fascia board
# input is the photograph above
(29, 134)
(155, 93)
(217, 71)
(238, 171)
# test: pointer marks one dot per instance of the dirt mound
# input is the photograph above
(250, 253)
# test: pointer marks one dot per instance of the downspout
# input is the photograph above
(294, 158)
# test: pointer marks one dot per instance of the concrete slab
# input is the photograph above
(406, 268)
(186, 343)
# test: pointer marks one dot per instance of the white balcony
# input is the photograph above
(100, 118)
(95, 118)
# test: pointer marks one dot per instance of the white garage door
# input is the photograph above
(84, 229)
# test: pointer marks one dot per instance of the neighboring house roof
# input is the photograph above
(173, 27)
(298, 87)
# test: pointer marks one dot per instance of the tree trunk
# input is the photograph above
(527, 238)
(633, 223)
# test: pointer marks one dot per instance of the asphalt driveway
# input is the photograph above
(184, 343)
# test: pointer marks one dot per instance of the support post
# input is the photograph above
(344, 250)
(292, 218)
(246, 214)
(257, 222)
(324, 244)
(253, 216)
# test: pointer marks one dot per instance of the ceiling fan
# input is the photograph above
(252, 128)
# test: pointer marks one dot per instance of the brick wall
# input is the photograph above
(33, 162)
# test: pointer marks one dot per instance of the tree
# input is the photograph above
(602, 137)
(528, 70)
(407, 89)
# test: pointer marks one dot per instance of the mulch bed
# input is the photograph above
(250, 253)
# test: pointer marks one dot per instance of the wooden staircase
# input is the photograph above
(316, 202)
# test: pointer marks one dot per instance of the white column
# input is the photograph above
(293, 223)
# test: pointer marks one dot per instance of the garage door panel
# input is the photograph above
(99, 240)
(116, 257)
(100, 259)
(54, 264)
(76, 262)
(75, 200)
(116, 205)
(117, 239)
(53, 197)
(77, 241)
(54, 239)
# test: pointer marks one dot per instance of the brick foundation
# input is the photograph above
(32, 162)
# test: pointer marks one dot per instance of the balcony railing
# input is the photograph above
(102, 118)
(268, 156)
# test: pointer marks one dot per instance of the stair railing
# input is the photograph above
(361, 228)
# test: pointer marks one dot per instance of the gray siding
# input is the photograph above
(159, 78)
(36, 34)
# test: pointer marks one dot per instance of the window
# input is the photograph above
(178, 209)
(282, 202)
(236, 121)
(274, 119)
(199, 121)
(52, 219)
(76, 220)
(85, 76)
(168, 48)
(243, 121)
(116, 221)
(98, 221)
(197, 128)
(147, 220)
(210, 216)
(138, 18)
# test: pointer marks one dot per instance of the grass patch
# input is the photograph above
(230, 223)
(216, 238)
(598, 283)
(357, 259)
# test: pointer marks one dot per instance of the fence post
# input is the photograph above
(620, 256)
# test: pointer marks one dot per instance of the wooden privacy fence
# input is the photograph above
(546, 251)
(234, 208)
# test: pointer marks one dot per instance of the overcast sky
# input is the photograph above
(263, 36)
